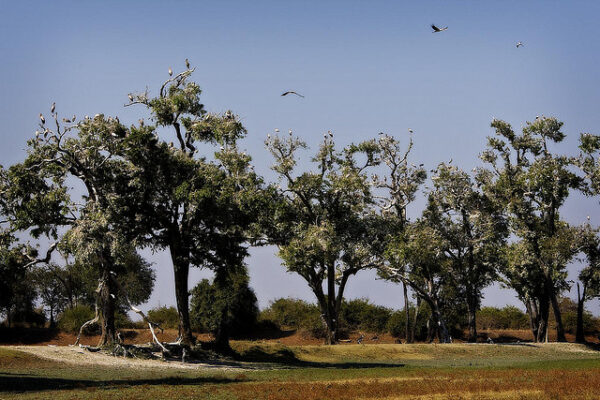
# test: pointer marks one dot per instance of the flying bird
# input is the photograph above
(170, 72)
(53, 108)
(519, 44)
(187, 63)
(291, 92)
(42, 119)
(436, 29)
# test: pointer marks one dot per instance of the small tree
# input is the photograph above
(589, 276)
(323, 224)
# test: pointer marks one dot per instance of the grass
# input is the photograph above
(320, 372)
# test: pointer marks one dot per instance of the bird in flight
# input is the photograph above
(291, 92)
(519, 44)
(436, 29)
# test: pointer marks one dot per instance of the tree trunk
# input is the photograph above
(560, 330)
(580, 334)
(331, 317)
(472, 310)
(107, 310)
(532, 312)
(406, 314)
(181, 269)
(415, 318)
(222, 334)
(543, 319)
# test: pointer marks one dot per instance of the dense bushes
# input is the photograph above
(166, 317)
(509, 317)
(361, 314)
(71, 319)
(294, 313)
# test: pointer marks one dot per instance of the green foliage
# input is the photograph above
(361, 314)
(290, 313)
(165, 316)
(508, 317)
(233, 305)
(72, 319)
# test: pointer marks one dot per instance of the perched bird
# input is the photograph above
(291, 92)
(519, 44)
(276, 130)
(53, 108)
(436, 29)
(187, 63)
(130, 97)
(330, 133)
(410, 130)
(42, 119)
(74, 118)
(290, 132)
(170, 72)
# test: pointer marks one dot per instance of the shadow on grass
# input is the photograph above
(27, 383)
(21, 335)
(287, 358)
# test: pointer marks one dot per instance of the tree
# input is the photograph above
(39, 199)
(400, 184)
(472, 230)
(225, 307)
(203, 212)
(532, 183)
(17, 293)
(324, 226)
(416, 257)
(589, 276)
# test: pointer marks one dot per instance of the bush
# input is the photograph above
(232, 303)
(72, 319)
(362, 314)
(509, 317)
(166, 317)
(292, 313)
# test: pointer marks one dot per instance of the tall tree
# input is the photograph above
(324, 225)
(533, 183)
(399, 184)
(472, 229)
(202, 211)
(38, 196)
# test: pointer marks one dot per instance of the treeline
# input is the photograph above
(200, 199)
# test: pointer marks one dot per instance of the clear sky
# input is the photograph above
(364, 67)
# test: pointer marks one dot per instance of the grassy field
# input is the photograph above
(272, 371)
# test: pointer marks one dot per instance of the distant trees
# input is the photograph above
(95, 191)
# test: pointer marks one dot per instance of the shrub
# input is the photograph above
(509, 317)
(72, 319)
(232, 303)
(166, 317)
(293, 313)
(362, 314)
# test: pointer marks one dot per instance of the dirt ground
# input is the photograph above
(286, 337)
(79, 356)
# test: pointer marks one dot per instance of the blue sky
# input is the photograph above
(364, 67)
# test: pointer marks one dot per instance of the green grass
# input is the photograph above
(370, 371)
